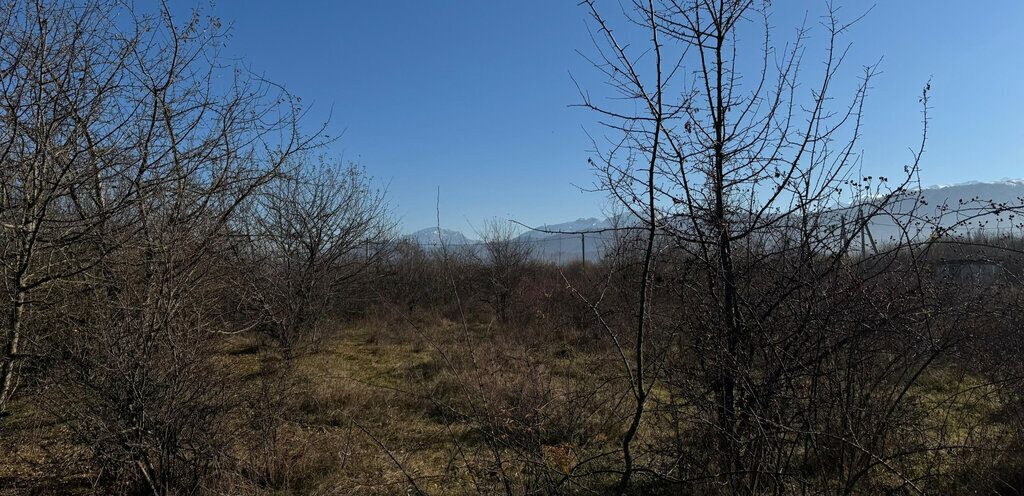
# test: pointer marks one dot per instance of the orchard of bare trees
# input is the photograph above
(199, 299)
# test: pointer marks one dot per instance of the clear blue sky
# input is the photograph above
(472, 96)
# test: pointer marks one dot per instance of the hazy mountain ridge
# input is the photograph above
(552, 246)
(955, 207)
(578, 225)
(562, 242)
(430, 237)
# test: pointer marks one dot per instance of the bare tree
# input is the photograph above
(507, 256)
(148, 158)
(314, 234)
(743, 176)
(110, 115)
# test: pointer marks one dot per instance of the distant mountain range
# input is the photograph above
(549, 246)
(432, 237)
(562, 243)
(957, 207)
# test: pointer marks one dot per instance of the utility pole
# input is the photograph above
(583, 248)
(863, 227)
(842, 233)
(874, 246)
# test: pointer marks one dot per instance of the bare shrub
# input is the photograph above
(107, 122)
(765, 340)
(506, 257)
(140, 386)
(313, 236)
(123, 148)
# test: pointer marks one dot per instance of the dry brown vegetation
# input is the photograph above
(198, 304)
(449, 400)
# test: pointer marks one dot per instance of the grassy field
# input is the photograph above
(367, 409)
(427, 404)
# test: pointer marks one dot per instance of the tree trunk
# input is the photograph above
(11, 350)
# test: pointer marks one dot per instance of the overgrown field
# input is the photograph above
(398, 403)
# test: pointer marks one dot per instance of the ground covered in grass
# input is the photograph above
(451, 409)
(440, 407)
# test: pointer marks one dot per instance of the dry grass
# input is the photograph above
(460, 410)
(372, 406)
